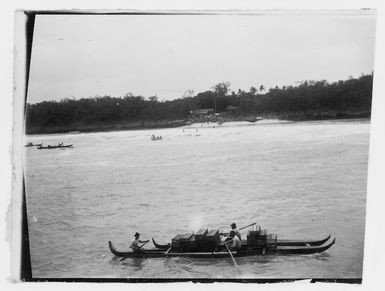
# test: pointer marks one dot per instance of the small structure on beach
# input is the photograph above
(205, 111)
(231, 108)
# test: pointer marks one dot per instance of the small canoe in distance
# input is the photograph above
(280, 242)
(49, 147)
(29, 144)
(287, 250)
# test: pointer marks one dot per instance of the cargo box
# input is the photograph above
(262, 238)
(186, 237)
(214, 237)
(253, 234)
(200, 234)
(252, 244)
(192, 244)
(206, 246)
(271, 241)
(263, 234)
(175, 241)
(271, 238)
(181, 241)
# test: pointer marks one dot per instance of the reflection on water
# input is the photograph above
(299, 180)
(134, 262)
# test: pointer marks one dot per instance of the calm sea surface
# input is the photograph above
(299, 180)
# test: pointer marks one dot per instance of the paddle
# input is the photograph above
(169, 249)
(232, 257)
(143, 244)
(248, 226)
(136, 250)
(224, 233)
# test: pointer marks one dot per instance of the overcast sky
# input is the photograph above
(78, 56)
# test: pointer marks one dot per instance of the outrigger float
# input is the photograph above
(208, 244)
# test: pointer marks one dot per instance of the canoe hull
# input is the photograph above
(287, 242)
(33, 145)
(287, 250)
(54, 147)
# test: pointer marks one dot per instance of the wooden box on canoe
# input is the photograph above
(181, 241)
(184, 241)
(257, 238)
(252, 242)
(262, 238)
(252, 237)
(253, 234)
(262, 234)
(192, 244)
(200, 234)
(271, 240)
(186, 237)
(213, 237)
(175, 241)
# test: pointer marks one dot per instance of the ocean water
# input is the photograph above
(296, 179)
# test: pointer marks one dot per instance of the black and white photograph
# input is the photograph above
(184, 145)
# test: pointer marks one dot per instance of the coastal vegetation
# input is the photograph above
(309, 100)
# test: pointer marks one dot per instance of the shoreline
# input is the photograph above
(187, 123)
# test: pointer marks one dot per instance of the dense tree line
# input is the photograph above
(309, 100)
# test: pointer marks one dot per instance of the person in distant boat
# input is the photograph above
(236, 231)
(134, 245)
(233, 241)
(153, 136)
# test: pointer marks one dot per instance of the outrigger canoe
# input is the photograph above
(244, 252)
(54, 147)
(280, 242)
(29, 144)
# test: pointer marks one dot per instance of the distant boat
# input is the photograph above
(29, 144)
(156, 138)
(55, 146)
(253, 119)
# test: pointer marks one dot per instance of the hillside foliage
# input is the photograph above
(308, 100)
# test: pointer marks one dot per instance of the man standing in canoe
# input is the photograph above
(134, 245)
(235, 230)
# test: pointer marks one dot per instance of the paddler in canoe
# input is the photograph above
(134, 245)
(235, 230)
(233, 242)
